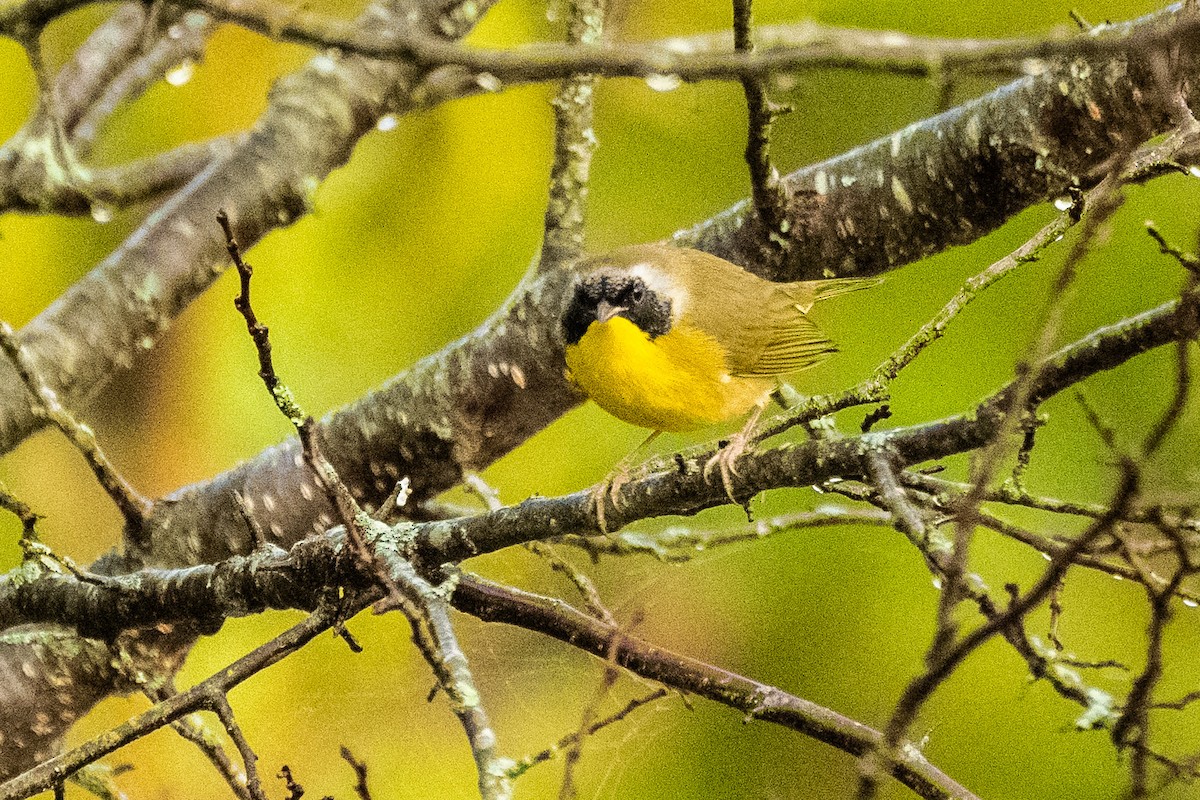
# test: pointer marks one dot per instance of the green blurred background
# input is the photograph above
(418, 239)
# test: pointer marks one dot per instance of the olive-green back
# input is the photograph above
(764, 327)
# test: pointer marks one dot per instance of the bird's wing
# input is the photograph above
(759, 324)
(796, 343)
(764, 327)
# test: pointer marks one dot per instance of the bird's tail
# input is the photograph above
(805, 294)
(823, 290)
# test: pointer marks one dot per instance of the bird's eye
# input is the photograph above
(636, 292)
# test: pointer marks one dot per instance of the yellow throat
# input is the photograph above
(675, 382)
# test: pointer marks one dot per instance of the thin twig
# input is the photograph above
(195, 732)
(424, 604)
(587, 590)
(770, 195)
(21, 510)
(65, 166)
(1131, 730)
(178, 40)
(360, 773)
(574, 751)
(679, 543)
(561, 746)
(882, 475)
(1183, 371)
(219, 705)
(49, 773)
(948, 490)
(132, 505)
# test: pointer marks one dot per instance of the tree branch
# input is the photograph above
(272, 579)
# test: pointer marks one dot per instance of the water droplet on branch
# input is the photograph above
(664, 83)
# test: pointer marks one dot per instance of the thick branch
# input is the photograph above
(243, 585)
(947, 180)
(115, 313)
(943, 182)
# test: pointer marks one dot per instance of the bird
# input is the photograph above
(675, 339)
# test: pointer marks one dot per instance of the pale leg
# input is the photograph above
(610, 488)
(726, 458)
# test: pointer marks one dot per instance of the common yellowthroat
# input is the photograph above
(674, 339)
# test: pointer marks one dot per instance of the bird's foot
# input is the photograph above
(608, 491)
(725, 461)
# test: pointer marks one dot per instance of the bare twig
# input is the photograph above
(879, 470)
(21, 510)
(295, 789)
(132, 505)
(587, 590)
(1189, 261)
(219, 705)
(1051, 547)
(553, 751)
(49, 773)
(770, 195)
(1131, 730)
(574, 751)
(196, 732)
(424, 604)
(945, 490)
(1183, 372)
(360, 773)
(176, 39)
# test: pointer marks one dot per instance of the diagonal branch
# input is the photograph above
(269, 578)
(107, 319)
(461, 409)
(50, 773)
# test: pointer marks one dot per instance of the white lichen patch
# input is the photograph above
(901, 195)
(821, 182)
(973, 131)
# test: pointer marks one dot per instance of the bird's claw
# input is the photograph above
(725, 460)
(608, 490)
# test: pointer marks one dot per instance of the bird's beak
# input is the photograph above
(606, 311)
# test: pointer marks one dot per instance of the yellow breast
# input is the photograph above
(675, 382)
